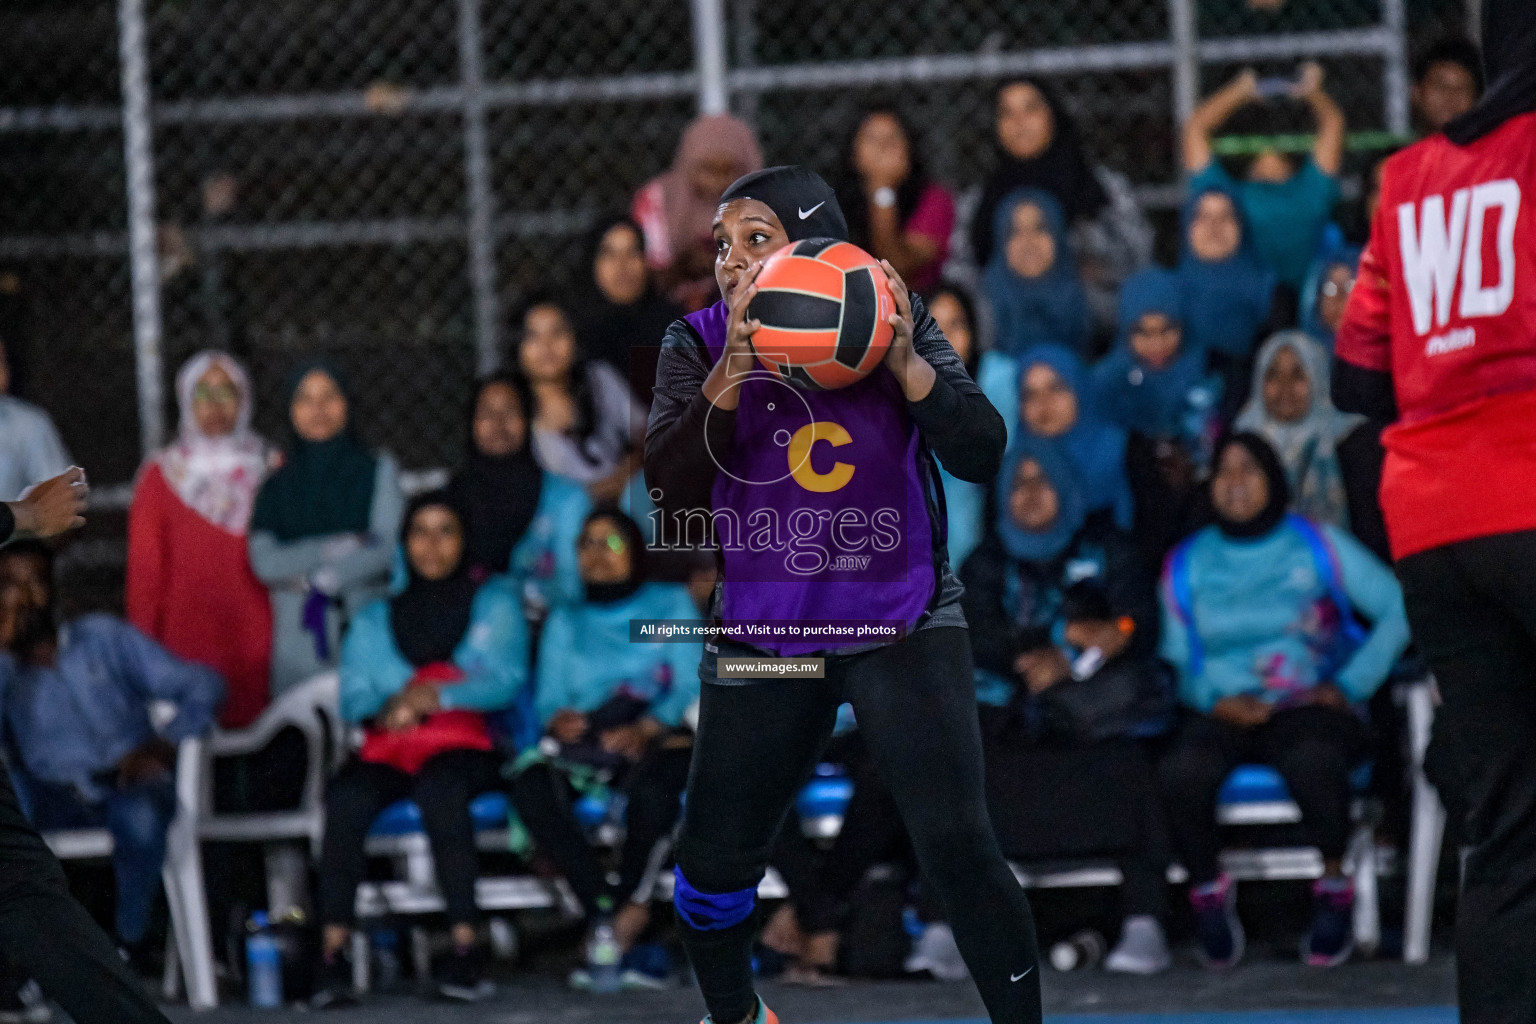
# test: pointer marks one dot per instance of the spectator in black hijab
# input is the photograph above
(623, 316)
(1038, 147)
(500, 483)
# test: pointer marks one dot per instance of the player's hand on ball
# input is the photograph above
(911, 369)
(738, 326)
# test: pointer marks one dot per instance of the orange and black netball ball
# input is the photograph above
(824, 307)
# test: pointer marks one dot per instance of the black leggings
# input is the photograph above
(1313, 748)
(443, 789)
(544, 798)
(48, 936)
(1472, 606)
(916, 707)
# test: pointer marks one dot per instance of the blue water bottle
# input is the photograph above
(263, 965)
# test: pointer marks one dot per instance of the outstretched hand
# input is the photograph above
(52, 507)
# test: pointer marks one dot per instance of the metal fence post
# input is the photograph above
(744, 40)
(1394, 19)
(709, 56)
(481, 201)
(143, 259)
(1182, 33)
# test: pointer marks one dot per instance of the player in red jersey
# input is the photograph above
(1439, 340)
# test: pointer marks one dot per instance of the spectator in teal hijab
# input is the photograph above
(1031, 278)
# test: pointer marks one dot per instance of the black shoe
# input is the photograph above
(461, 976)
(333, 987)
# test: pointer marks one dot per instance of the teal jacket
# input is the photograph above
(493, 657)
(544, 560)
(1263, 620)
(586, 657)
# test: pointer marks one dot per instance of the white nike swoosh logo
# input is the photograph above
(1016, 977)
(806, 213)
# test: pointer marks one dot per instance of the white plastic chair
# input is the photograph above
(191, 949)
(289, 837)
(1427, 828)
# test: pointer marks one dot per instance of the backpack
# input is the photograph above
(1350, 636)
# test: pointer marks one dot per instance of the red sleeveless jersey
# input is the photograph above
(1446, 302)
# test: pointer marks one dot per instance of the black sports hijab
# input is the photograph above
(803, 202)
(1509, 64)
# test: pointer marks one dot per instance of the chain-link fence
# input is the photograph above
(380, 181)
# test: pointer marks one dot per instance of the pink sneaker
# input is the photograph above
(1219, 936)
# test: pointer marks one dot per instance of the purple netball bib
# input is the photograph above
(819, 506)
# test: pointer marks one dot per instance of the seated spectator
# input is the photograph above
(520, 519)
(1155, 386)
(587, 426)
(1447, 82)
(190, 584)
(320, 536)
(677, 209)
(1031, 279)
(624, 317)
(1225, 291)
(894, 209)
(1258, 622)
(1317, 444)
(30, 449)
(1327, 293)
(1039, 146)
(1287, 206)
(1056, 404)
(1064, 624)
(611, 711)
(77, 702)
(955, 313)
(420, 672)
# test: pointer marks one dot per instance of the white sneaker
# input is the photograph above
(1142, 949)
(937, 954)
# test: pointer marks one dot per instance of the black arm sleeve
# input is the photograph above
(993, 638)
(685, 434)
(960, 425)
(1368, 392)
(1360, 461)
(7, 522)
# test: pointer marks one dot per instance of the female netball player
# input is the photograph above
(743, 448)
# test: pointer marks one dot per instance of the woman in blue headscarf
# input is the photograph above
(1056, 405)
(1156, 386)
(1226, 289)
(1065, 621)
(1327, 292)
(1031, 279)
(1155, 383)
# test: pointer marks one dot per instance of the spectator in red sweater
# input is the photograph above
(190, 585)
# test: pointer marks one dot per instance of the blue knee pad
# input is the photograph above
(707, 912)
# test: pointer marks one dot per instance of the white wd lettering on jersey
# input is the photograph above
(1434, 250)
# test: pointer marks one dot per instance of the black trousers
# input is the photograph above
(544, 798)
(443, 789)
(916, 707)
(45, 934)
(1313, 748)
(1472, 606)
